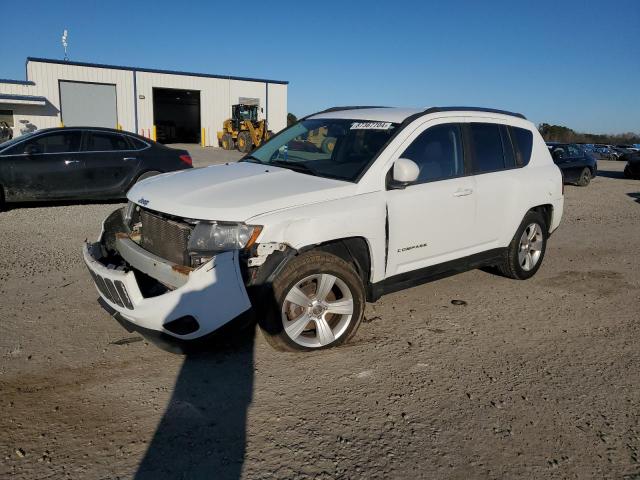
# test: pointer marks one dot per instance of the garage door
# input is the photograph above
(88, 104)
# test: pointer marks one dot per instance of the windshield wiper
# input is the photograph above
(298, 167)
(251, 159)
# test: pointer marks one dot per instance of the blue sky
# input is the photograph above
(570, 62)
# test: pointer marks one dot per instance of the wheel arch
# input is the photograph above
(546, 210)
(354, 250)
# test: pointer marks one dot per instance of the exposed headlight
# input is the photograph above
(221, 237)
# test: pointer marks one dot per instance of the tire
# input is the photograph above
(585, 177)
(245, 144)
(288, 326)
(627, 172)
(512, 265)
(227, 142)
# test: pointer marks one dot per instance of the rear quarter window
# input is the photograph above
(522, 144)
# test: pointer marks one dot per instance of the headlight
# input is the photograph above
(221, 237)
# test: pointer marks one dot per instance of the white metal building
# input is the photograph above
(174, 106)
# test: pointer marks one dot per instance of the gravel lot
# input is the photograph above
(535, 379)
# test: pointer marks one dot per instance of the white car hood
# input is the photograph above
(234, 192)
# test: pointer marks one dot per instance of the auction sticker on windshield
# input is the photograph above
(371, 125)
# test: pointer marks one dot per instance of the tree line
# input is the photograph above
(559, 133)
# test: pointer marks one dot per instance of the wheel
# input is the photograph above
(245, 144)
(525, 253)
(316, 302)
(227, 142)
(627, 172)
(146, 175)
(585, 177)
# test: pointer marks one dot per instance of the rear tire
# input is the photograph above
(333, 298)
(227, 142)
(245, 144)
(525, 253)
(585, 177)
(627, 172)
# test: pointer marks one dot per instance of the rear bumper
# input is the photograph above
(208, 298)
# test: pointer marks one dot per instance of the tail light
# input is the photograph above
(187, 159)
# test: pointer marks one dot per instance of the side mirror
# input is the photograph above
(405, 172)
(31, 150)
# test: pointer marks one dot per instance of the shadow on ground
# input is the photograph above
(203, 429)
(611, 174)
(635, 196)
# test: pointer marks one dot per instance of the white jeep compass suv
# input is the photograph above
(339, 209)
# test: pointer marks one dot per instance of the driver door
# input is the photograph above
(432, 221)
(47, 167)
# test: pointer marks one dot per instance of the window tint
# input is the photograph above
(104, 142)
(523, 143)
(486, 145)
(137, 143)
(574, 151)
(58, 142)
(438, 153)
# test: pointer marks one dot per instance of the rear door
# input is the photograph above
(493, 164)
(47, 166)
(111, 163)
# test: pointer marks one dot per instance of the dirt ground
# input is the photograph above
(533, 379)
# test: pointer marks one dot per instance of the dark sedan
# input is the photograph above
(632, 169)
(577, 165)
(81, 163)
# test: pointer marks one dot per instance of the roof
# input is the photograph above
(153, 70)
(22, 99)
(398, 115)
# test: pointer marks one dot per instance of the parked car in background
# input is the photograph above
(632, 169)
(578, 166)
(81, 163)
(6, 132)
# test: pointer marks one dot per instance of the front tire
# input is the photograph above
(526, 251)
(317, 302)
(245, 144)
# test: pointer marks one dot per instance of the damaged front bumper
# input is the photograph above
(191, 304)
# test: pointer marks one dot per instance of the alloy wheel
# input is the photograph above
(530, 248)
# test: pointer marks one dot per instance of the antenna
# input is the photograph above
(65, 34)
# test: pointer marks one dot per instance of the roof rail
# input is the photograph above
(472, 109)
(355, 107)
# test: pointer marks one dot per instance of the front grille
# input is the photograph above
(116, 292)
(165, 238)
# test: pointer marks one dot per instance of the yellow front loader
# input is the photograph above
(243, 130)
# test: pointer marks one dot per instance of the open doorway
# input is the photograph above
(176, 115)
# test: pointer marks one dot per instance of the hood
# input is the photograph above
(234, 192)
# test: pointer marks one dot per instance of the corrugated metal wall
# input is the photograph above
(216, 96)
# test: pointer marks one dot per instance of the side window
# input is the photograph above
(105, 142)
(137, 143)
(58, 142)
(438, 153)
(486, 145)
(522, 143)
(507, 148)
(573, 151)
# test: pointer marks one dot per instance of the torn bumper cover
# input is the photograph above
(198, 302)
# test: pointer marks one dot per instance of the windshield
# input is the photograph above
(334, 148)
(15, 140)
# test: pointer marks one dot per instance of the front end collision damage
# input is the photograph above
(152, 295)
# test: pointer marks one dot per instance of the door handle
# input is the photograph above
(463, 192)
(129, 158)
(68, 162)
